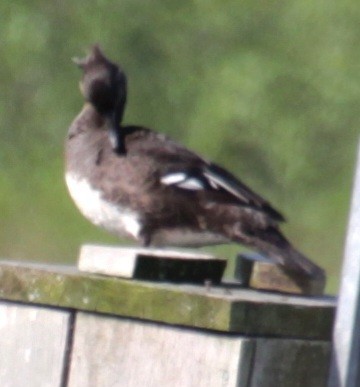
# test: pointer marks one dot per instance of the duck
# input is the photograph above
(135, 182)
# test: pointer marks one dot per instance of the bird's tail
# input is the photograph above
(275, 246)
(291, 259)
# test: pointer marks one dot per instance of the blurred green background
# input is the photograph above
(270, 90)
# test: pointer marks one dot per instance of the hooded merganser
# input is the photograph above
(133, 181)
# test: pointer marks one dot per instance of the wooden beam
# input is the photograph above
(122, 352)
(33, 345)
(222, 308)
(258, 272)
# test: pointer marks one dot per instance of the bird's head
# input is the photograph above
(103, 83)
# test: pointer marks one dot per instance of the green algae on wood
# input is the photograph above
(220, 308)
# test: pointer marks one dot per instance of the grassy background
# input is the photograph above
(270, 90)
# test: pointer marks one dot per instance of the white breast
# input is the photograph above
(113, 218)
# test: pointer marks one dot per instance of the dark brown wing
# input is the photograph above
(222, 178)
(182, 169)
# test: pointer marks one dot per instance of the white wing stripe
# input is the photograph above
(182, 180)
(173, 178)
(192, 184)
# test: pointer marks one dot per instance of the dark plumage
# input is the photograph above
(134, 181)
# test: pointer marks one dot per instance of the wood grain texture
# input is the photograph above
(290, 363)
(258, 273)
(32, 345)
(120, 352)
(221, 308)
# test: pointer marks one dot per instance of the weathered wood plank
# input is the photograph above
(217, 308)
(151, 264)
(32, 345)
(120, 352)
(290, 363)
(259, 273)
(345, 369)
